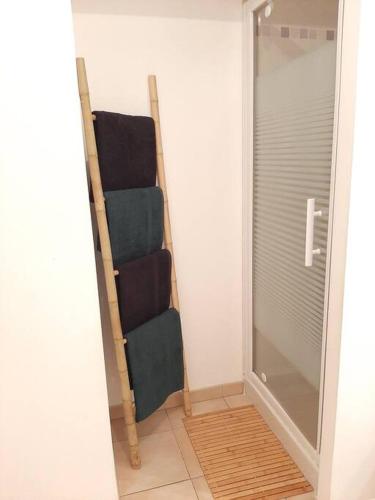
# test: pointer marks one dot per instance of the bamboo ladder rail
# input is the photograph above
(154, 104)
(109, 272)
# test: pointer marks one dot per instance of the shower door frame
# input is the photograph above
(341, 113)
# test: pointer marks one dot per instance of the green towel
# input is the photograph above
(135, 222)
(155, 361)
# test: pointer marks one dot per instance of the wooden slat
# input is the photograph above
(236, 446)
(228, 429)
(244, 471)
(227, 424)
(240, 454)
(229, 438)
(274, 460)
(254, 460)
(258, 476)
(256, 482)
(248, 452)
(242, 458)
(244, 430)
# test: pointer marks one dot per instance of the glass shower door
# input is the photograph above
(294, 97)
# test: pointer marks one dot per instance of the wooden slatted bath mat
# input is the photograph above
(242, 458)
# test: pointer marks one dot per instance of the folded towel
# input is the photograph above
(126, 150)
(135, 222)
(155, 361)
(144, 289)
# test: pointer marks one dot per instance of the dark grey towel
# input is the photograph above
(135, 222)
(144, 289)
(155, 360)
(126, 150)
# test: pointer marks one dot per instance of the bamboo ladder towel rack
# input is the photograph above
(154, 104)
(109, 272)
(106, 252)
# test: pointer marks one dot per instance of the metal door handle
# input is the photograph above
(311, 213)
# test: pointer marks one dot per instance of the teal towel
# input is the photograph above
(155, 361)
(135, 222)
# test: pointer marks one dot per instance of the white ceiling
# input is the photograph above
(225, 10)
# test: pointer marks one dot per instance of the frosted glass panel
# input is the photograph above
(295, 53)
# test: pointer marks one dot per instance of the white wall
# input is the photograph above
(54, 424)
(225, 10)
(198, 65)
(353, 467)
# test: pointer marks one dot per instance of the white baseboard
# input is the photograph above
(305, 456)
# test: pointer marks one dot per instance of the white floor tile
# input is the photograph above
(170, 468)
(232, 389)
(208, 406)
(176, 415)
(202, 489)
(238, 400)
(157, 422)
(162, 464)
(177, 491)
(188, 453)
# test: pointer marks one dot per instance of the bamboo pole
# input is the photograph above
(109, 273)
(154, 103)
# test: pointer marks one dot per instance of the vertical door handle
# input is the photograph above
(311, 213)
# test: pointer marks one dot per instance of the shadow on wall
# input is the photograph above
(113, 382)
(209, 9)
(369, 487)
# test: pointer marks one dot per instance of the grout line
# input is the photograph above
(182, 456)
(173, 428)
(237, 395)
(208, 488)
(189, 478)
(142, 436)
(196, 493)
(188, 438)
(169, 419)
(157, 488)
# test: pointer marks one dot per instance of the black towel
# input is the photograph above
(144, 289)
(126, 150)
(135, 222)
(155, 360)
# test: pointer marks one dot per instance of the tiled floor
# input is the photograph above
(170, 469)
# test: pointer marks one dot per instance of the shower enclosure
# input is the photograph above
(291, 100)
